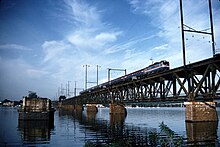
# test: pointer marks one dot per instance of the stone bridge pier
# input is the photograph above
(201, 111)
(117, 109)
(91, 108)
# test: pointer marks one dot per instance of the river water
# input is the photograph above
(140, 127)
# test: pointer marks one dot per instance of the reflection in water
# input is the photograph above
(167, 137)
(91, 116)
(141, 127)
(202, 133)
(64, 114)
(115, 132)
(35, 132)
(117, 119)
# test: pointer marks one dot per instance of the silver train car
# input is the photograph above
(151, 69)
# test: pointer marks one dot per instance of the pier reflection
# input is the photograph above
(202, 133)
(117, 128)
(91, 116)
(115, 132)
(35, 132)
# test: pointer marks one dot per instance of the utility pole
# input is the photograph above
(191, 30)
(109, 69)
(182, 30)
(211, 23)
(86, 75)
(75, 89)
(86, 66)
(98, 74)
(62, 92)
(68, 89)
(58, 91)
(61, 89)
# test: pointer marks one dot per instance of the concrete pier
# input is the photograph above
(201, 111)
(117, 109)
(36, 109)
(91, 108)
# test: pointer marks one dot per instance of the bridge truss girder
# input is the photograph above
(199, 83)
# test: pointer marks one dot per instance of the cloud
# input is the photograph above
(161, 47)
(35, 73)
(54, 49)
(84, 15)
(139, 6)
(164, 16)
(93, 40)
(127, 44)
(106, 37)
(82, 45)
(14, 47)
(90, 32)
(59, 56)
(85, 43)
(18, 77)
(88, 39)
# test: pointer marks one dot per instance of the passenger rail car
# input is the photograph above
(153, 68)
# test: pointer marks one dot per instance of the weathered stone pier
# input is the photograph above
(35, 108)
(201, 111)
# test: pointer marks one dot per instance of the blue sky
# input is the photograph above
(45, 43)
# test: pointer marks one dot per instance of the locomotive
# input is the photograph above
(147, 71)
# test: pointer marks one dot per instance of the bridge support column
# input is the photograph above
(117, 109)
(78, 108)
(201, 111)
(91, 108)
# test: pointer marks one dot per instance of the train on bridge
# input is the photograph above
(197, 84)
(157, 67)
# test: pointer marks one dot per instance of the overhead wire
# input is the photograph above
(198, 43)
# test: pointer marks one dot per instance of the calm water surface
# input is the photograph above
(139, 128)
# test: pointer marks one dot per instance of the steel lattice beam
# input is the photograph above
(197, 81)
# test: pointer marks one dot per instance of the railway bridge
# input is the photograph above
(196, 84)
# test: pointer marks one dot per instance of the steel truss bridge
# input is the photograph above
(198, 81)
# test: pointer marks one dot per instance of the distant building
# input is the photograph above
(8, 103)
